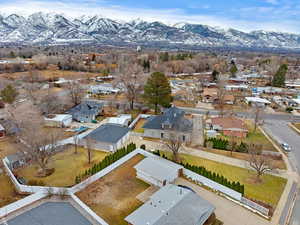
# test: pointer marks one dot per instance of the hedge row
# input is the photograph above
(211, 175)
(108, 160)
(222, 144)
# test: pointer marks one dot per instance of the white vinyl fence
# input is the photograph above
(4, 211)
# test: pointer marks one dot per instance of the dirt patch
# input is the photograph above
(113, 197)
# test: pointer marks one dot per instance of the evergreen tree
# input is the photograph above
(157, 91)
(9, 94)
(233, 70)
(215, 75)
(279, 77)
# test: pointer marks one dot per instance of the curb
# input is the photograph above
(294, 128)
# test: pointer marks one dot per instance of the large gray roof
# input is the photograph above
(51, 213)
(172, 205)
(109, 133)
(172, 118)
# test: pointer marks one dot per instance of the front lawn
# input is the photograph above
(269, 191)
(67, 166)
(7, 147)
(8, 193)
(113, 197)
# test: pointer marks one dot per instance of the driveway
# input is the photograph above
(227, 211)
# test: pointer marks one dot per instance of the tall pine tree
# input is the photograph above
(157, 91)
(279, 77)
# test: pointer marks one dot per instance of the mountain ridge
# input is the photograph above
(51, 28)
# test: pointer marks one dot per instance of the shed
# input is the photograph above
(123, 119)
(58, 120)
(157, 171)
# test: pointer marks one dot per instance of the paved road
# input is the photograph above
(283, 133)
(264, 116)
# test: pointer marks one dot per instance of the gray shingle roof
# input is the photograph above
(109, 133)
(51, 213)
(172, 205)
(86, 108)
(173, 118)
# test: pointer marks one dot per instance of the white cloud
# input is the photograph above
(273, 2)
(169, 16)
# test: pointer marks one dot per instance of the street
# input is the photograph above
(283, 133)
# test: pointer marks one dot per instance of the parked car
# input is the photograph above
(286, 147)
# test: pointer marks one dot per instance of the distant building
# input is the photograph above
(2, 131)
(86, 111)
(173, 205)
(257, 101)
(229, 126)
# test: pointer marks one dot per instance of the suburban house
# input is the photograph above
(173, 119)
(2, 131)
(257, 101)
(105, 88)
(58, 120)
(157, 171)
(209, 95)
(229, 99)
(107, 137)
(229, 126)
(174, 205)
(123, 119)
(86, 111)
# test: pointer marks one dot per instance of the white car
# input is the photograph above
(286, 147)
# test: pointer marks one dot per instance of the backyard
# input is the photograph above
(113, 197)
(67, 166)
(7, 191)
(7, 147)
(268, 191)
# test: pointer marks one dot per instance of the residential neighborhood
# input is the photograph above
(192, 139)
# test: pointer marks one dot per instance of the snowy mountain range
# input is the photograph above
(41, 28)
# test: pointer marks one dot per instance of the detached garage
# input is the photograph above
(108, 137)
(157, 171)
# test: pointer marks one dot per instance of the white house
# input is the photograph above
(123, 119)
(258, 101)
(58, 120)
(158, 171)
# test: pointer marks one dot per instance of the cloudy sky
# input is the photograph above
(246, 15)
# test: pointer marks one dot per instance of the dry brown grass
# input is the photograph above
(7, 147)
(7, 191)
(139, 126)
(67, 166)
(113, 197)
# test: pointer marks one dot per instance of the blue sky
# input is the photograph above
(246, 15)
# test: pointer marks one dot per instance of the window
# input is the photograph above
(183, 138)
(161, 135)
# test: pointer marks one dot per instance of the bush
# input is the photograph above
(36, 183)
(218, 143)
(289, 109)
(143, 147)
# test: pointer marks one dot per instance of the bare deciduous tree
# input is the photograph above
(258, 161)
(174, 142)
(133, 79)
(221, 96)
(76, 92)
(88, 145)
(257, 112)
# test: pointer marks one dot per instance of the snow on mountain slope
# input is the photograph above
(51, 28)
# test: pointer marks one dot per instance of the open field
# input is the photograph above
(268, 191)
(7, 191)
(67, 166)
(139, 126)
(113, 197)
(7, 147)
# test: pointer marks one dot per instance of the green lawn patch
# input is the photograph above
(269, 191)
